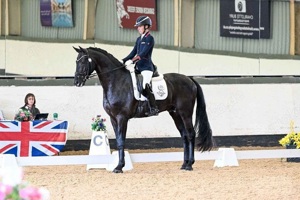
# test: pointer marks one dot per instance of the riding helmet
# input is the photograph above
(143, 20)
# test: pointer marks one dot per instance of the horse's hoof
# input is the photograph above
(117, 171)
(189, 168)
(183, 167)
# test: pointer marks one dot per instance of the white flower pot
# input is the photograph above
(99, 146)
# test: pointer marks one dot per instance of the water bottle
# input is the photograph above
(55, 116)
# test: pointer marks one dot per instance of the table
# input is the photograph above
(33, 138)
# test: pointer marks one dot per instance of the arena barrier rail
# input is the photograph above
(11, 166)
(223, 157)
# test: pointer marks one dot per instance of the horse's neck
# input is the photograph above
(113, 78)
(114, 81)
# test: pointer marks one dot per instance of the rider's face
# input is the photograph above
(141, 29)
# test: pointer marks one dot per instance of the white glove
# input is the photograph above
(129, 66)
(128, 62)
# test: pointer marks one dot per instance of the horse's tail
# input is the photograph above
(204, 139)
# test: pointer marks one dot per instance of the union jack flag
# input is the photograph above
(33, 138)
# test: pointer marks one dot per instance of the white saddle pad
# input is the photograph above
(159, 88)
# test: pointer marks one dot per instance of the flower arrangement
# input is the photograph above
(23, 115)
(12, 187)
(98, 123)
(23, 191)
(291, 138)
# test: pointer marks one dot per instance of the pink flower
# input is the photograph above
(5, 190)
(30, 193)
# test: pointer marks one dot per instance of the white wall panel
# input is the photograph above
(234, 109)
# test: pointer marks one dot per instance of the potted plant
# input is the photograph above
(291, 141)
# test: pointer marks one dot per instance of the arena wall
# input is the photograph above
(58, 59)
(233, 109)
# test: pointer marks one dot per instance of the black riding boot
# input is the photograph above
(152, 103)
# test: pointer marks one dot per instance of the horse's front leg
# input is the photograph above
(120, 128)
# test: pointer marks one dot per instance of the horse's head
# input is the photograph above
(84, 67)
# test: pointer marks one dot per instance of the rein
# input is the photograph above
(95, 74)
(112, 70)
(88, 76)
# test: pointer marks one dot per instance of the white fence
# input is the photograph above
(11, 167)
(222, 155)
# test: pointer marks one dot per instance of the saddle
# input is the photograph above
(158, 84)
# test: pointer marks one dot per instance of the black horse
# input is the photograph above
(120, 104)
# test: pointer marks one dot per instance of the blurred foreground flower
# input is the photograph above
(20, 190)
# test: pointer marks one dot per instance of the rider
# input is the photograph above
(141, 55)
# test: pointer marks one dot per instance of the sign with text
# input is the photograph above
(56, 13)
(129, 10)
(245, 18)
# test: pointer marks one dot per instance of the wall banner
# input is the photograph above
(245, 18)
(129, 10)
(56, 13)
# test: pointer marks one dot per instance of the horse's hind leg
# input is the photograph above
(188, 142)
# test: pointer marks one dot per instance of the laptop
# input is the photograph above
(41, 116)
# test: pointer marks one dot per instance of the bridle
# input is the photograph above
(87, 73)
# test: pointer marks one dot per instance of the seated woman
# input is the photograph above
(28, 111)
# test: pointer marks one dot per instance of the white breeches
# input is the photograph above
(147, 75)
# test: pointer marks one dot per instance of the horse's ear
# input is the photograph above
(76, 49)
(83, 50)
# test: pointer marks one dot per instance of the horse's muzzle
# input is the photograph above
(79, 83)
(79, 80)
